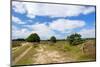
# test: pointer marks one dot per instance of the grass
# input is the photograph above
(73, 51)
(15, 49)
(27, 59)
(87, 57)
(64, 47)
(17, 43)
(19, 51)
(61, 46)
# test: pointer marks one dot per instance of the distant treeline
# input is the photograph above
(57, 39)
(89, 38)
(18, 40)
(41, 40)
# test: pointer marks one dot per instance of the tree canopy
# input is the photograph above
(53, 39)
(75, 39)
(33, 38)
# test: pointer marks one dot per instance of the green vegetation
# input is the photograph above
(33, 38)
(67, 49)
(87, 57)
(53, 39)
(75, 39)
(19, 39)
(63, 47)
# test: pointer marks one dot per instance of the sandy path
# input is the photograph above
(44, 56)
(19, 57)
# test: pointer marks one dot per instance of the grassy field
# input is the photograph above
(18, 51)
(59, 52)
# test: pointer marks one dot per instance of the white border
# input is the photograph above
(90, 2)
(5, 33)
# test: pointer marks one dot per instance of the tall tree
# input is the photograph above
(33, 38)
(75, 39)
(53, 39)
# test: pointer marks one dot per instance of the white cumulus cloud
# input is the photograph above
(51, 10)
(20, 33)
(18, 7)
(63, 24)
(42, 30)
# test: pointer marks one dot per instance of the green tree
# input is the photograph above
(33, 38)
(75, 39)
(53, 39)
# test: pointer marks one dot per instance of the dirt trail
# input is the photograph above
(20, 56)
(44, 55)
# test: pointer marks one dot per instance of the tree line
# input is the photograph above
(73, 39)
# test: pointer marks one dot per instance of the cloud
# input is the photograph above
(19, 33)
(87, 33)
(17, 20)
(63, 24)
(18, 7)
(42, 30)
(51, 10)
(89, 10)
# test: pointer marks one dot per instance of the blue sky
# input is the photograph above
(52, 20)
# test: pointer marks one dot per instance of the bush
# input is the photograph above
(53, 39)
(75, 39)
(33, 38)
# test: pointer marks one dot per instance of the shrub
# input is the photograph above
(33, 38)
(53, 39)
(75, 39)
